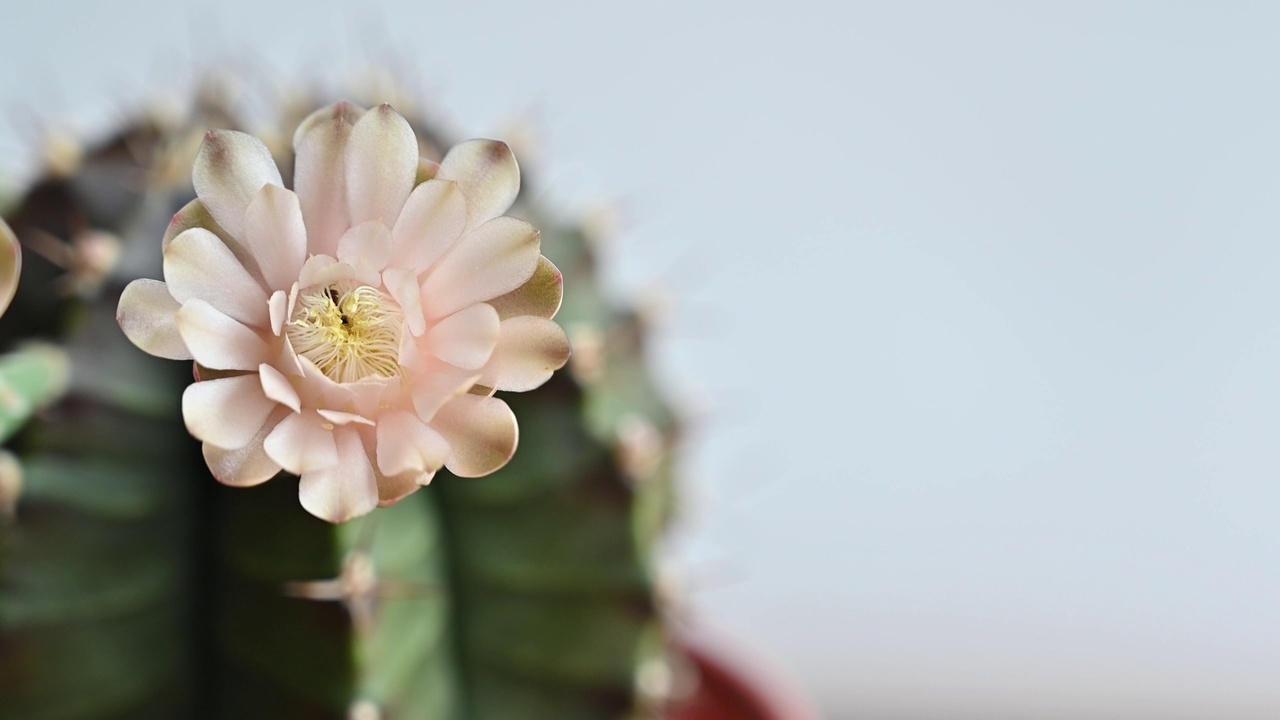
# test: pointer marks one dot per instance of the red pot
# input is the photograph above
(730, 690)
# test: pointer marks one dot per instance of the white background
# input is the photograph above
(974, 308)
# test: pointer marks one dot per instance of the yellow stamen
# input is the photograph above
(349, 331)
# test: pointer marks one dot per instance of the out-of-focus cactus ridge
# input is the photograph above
(132, 585)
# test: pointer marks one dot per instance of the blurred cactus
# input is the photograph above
(132, 585)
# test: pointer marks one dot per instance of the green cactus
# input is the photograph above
(132, 585)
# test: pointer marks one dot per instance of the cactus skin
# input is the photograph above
(528, 594)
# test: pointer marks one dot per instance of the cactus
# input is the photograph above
(132, 585)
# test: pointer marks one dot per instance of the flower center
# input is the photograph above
(349, 331)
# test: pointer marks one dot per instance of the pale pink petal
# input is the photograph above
(345, 490)
(226, 412)
(481, 431)
(341, 110)
(217, 341)
(276, 236)
(10, 265)
(198, 266)
(466, 338)
(486, 171)
(337, 417)
(248, 465)
(324, 270)
(392, 489)
(366, 247)
(229, 170)
(278, 310)
(540, 295)
(381, 165)
(491, 260)
(432, 221)
(406, 444)
(529, 351)
(277, 387)
(404, 289)
(437, 383)
(147, 315)
(302, 442)
(319, 176)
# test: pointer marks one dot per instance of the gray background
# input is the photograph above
(973, 307)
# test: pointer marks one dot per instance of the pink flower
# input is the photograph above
(10, 265)
(351, 331)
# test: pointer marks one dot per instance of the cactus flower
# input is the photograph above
(10, 265)
(351, 331)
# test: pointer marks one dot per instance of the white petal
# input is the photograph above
(346, 490)
(488, 174)
(302, 442)
(404, 289)
(230, 169)
(147, 315)
(248, 465)
(277, 387)
(217, 341)
(366, 247)
(406, 444)
(491, 260)
(466, 338)
(481, 431)
(226, 412)
(432, 221)
(198, 265)
(381, 165)
(319, 175)
(276, 236)
(540, 295)
(529, 350)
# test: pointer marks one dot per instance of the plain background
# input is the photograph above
(973, 307)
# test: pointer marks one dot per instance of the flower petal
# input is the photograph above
(394, 488)
(226, 412)
(345, 490)
(319, 176)
(301, 443)
(366, 248)
(466, 338)
(10, 265)
(488, 174)
(436, 383)
(217, 341)
(404, 289)
(540, 295)
(147, 315)
(277, 387)
(433, 219)
(195, 215)
(481, 431)
(407, 444)
(381, 164)
(230, 169)
(248, 465)
(198, 265)
(276, 236)
(278, 309)
(494, 259)
(528, 352)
